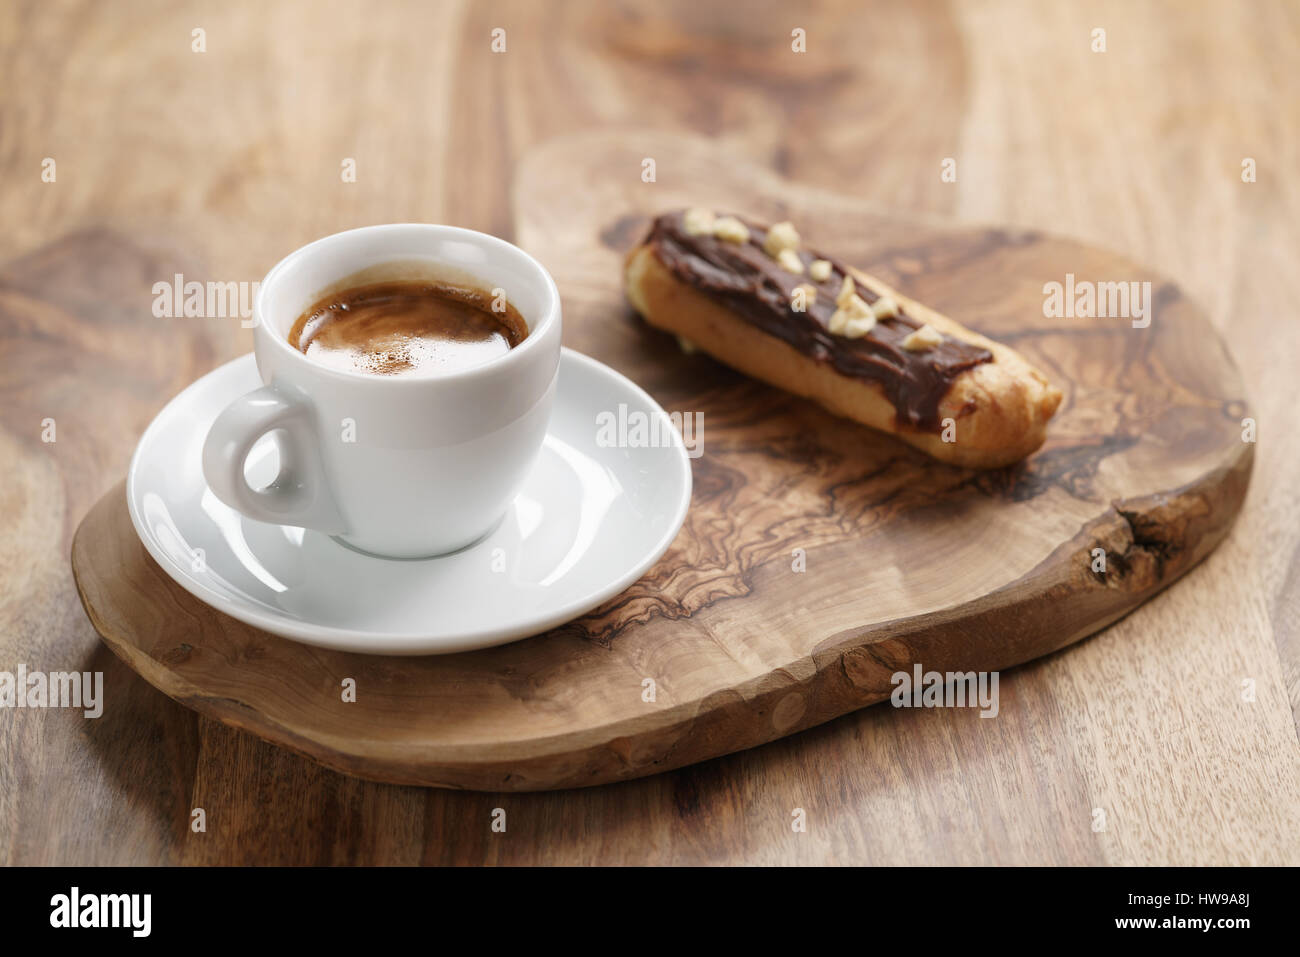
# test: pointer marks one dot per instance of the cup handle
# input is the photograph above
(300, 494)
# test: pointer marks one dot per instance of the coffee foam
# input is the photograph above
(405, 327)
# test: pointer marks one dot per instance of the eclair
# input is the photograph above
(757, 300)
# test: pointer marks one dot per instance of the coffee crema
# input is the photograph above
(407, 328)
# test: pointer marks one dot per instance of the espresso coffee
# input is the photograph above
(407, 328)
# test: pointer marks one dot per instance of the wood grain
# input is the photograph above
(217, 164)
(819, 557)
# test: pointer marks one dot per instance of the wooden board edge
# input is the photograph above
(850, 671)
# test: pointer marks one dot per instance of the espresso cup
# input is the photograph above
(401, 467)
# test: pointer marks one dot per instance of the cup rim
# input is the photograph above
(550, 310)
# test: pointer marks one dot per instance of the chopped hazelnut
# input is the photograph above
(731, 229)
(857, 307)
(846, 290)
(859, 327)
(779, 238)
(926, 337)
(698, 221)
(789, 261)
(884, 307)
(820, 270)
(852, 309)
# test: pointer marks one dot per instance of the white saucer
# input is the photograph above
(591, 519)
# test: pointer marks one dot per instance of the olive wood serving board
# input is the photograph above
(818, 558)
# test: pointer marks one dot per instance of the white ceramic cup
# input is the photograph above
(398, 466)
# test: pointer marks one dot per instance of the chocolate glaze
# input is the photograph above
(751, 284)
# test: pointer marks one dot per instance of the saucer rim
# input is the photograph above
(408, 643)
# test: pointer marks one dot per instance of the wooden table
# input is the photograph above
(215, 163)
